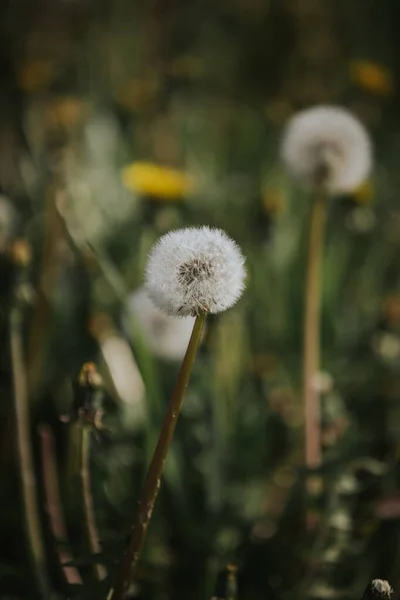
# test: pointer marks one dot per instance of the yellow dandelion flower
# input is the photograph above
(160, 182)
(364, 193)
(35, 75)
(372, 77)
(273, 201)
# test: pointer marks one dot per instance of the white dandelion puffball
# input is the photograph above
(166, 337)
(194, 270)
(327, 146)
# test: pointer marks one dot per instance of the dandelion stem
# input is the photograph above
(153, 479)
(26, 467)
(90, 522)
(312, 318)
(53, 504)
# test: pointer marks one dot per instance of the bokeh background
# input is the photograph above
(121, 120)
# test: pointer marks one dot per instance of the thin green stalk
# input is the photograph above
(88, 510)
(312, 325)
(26, 467)
(153, 479)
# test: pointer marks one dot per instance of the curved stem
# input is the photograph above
(153, 479)
(26, 467)
(90, 522)
(312, 324)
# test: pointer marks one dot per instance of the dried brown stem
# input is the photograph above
(53, 504)
(312, 324)
(88, 507)
(153, 479)
(26, 467)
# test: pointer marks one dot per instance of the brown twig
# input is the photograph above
(53, 504)
(88, 509)
(312, 318)
(26, 467)
(153, 479)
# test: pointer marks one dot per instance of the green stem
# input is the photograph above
(312, 324)
(153, 479)
(88, 510)
(26, 467)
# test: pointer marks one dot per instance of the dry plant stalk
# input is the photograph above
(90, 385)
(88, 506)
(26, 466)
(53, 504)
(311, 341)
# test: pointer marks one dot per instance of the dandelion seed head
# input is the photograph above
(327, 147)
(194, 270)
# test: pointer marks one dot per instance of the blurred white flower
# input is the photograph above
(322, 382)
(340, 520)
(193, 270)
(387, 345)
(327, 146)
(167, 337)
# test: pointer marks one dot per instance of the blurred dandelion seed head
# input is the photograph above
(327, 147)
(194, 270)
(166, 337)
(382, 587)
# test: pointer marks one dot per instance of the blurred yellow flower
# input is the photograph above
(372, 77)
(160, 182)
(65, 111)
(273, 201)
(364, 193)
(21, 253)
(35, 75)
